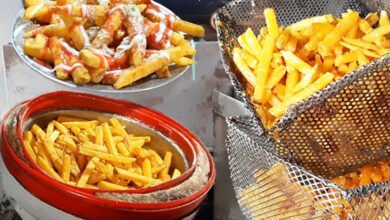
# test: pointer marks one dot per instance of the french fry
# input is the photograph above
(95, 147)
(188, 28)
(147, 168)
(107, 137)
(87, 172)
(110, 186)
(272, 23)
(383, 19)
(44, 165)
(378, 32)
(305, 23)
(167, 163)
(263, 68)
(291, 81)
(118, 126)
(244, 69)
(65, 173)
(329, 42)
(106, 156)
(176, 174)
(145, 69)
(28, 136)
(276, 76)
(134, 177)
(316, 86)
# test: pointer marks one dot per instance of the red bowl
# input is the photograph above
(82, 203)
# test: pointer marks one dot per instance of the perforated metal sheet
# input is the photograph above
(343, 127)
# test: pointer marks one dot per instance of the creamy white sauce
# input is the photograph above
(160, 54)
(153, 12)
(160, 34)
(37, 8)
(114, 72)
(118, 7)
(84, 11)
(101, 54)
(84, 34)
(69, 48)
(70, 8)
(67, 67)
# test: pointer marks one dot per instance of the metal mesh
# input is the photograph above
(343, 127)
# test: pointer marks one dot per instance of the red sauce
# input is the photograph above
(159, 44)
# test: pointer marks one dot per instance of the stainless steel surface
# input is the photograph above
(225, 202)
(149, 83)
(160, 143)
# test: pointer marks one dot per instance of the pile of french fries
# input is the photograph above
(117, 42)
(368, 174)
(276, 195)
(372, 173)
(94, 155)
(284, 65)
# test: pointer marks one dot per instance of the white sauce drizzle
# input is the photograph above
(159, 54)
(161, 31)
(118, 7)
(37, 8)
(101, 54)
(67, 67)
(70, 9)
(114, 72)
(84, 11)
(84, 34)
(69, 48)
(153, 11)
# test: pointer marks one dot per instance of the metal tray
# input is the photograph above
(148, 83)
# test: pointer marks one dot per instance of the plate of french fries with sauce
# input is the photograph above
(282, 66)
(111, 46)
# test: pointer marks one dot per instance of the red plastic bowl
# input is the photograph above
(81, 203)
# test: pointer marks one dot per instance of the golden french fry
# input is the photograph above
(305, 23)
(110, 186)
(377, 33)
(271, 21)
(244, 69)
(42, 163)
(87, 172)
(329, 42)
(107, 137)
(184, 61)
(147, 168)
(291, 81)
(106, 156)
(145, 69)
(188, 28)
(276, 75)
(28, 136)
(316, 86)
(65, 173)
(263, 68)
(176, 173)
(118, 126)
(372, 18)
(346, 58)
(383, 19)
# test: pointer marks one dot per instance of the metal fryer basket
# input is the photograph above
(343, 127)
